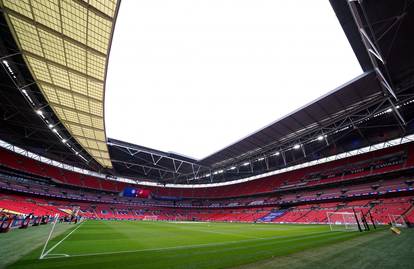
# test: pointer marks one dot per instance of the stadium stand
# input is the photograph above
(377, 183)
(366, 165)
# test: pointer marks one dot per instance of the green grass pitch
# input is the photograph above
(129, 244)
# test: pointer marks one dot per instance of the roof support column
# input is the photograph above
(283, 157)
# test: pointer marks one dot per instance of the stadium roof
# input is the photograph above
(66, 46)
(386, 29)
(356, 95)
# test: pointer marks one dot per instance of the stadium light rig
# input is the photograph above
(324, 137)
(9, 69)
(25, 93)
(38, 110)
(218, 172)
(54, 130)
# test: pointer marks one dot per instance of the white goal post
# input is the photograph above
(397, 221)
(343, 221)
(151, 218)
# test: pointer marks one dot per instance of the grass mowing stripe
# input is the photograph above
(20, 242)
(168, 245)
(223, 233)
(379, 250)
(282, 240)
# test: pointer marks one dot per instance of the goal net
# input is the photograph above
(151, 218)
(397, 221)
(343, 221)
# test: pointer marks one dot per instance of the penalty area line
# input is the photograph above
(60, 242)
(58, 255)
(144, 250)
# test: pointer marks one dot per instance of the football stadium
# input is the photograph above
(328, 184)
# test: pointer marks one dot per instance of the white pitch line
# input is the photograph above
(223, 233)
(58, 243)
(150, 249)
(183, 247)
(231, 234)
(58, 254)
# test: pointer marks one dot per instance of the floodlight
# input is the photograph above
(297, 146)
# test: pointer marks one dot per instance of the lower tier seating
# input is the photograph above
(379, 209)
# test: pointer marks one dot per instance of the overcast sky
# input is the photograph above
(193, 76)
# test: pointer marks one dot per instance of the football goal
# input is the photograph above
(343, 221)
(150, 218)
(397, 221)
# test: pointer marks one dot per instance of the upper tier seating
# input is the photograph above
(352, 168)
(374, 163)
